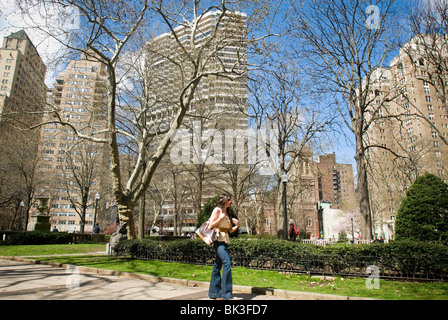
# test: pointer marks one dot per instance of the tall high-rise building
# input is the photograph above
(22, 76)
(336, 183)
(74, 171)
(219, 47)
(22, 101)
(316, 182)
(214, 49)
(408, 130)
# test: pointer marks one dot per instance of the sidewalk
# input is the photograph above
(26, 279)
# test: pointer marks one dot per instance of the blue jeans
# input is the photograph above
(221, 287)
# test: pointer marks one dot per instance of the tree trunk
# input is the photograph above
(141, 218)
(126, 215)
(363, 189)
(281, 230)
(83, 220)
(175, 215)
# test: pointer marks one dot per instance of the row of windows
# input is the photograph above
(69, 214)
(62, 206)
(59, 222)
(70, 222)
(309, 222)
(7, 60)
(80, 83)
(77, 103)
(78, 89)
(78, 96)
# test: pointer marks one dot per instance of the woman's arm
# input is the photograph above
(237, 225)
(216, 217)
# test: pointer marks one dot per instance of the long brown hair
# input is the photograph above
(222, 199)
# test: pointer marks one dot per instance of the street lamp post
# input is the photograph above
(22, 205)
(97, 197)
(284, 178)
(353, 233)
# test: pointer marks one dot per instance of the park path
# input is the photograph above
(20, 280)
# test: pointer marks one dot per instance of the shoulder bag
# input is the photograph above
(207, 235)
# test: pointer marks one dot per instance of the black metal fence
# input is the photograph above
(311, 264)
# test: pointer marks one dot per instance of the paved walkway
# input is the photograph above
(24, 279)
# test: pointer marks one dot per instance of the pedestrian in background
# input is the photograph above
(293, 231)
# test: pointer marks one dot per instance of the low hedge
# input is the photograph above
(409, 259)
(281, 249)
(38, 237)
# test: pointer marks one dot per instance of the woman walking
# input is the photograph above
(221, 287)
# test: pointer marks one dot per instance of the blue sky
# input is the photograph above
(11, 20)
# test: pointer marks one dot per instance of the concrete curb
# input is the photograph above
(193, 283)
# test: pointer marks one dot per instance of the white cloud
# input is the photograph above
(38, 24)
(433, 4)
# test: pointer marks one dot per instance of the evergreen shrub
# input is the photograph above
(400, 251)
(38, 237)
(423, 214)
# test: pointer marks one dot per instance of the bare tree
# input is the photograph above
(157, 192)
(262, 195)
(18, 179)
(344, 44)
(106, 29)
(279, 105)
(81, 176)
(182, 196)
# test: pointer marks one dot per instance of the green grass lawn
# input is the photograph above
(355, 287)
(31, 250)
